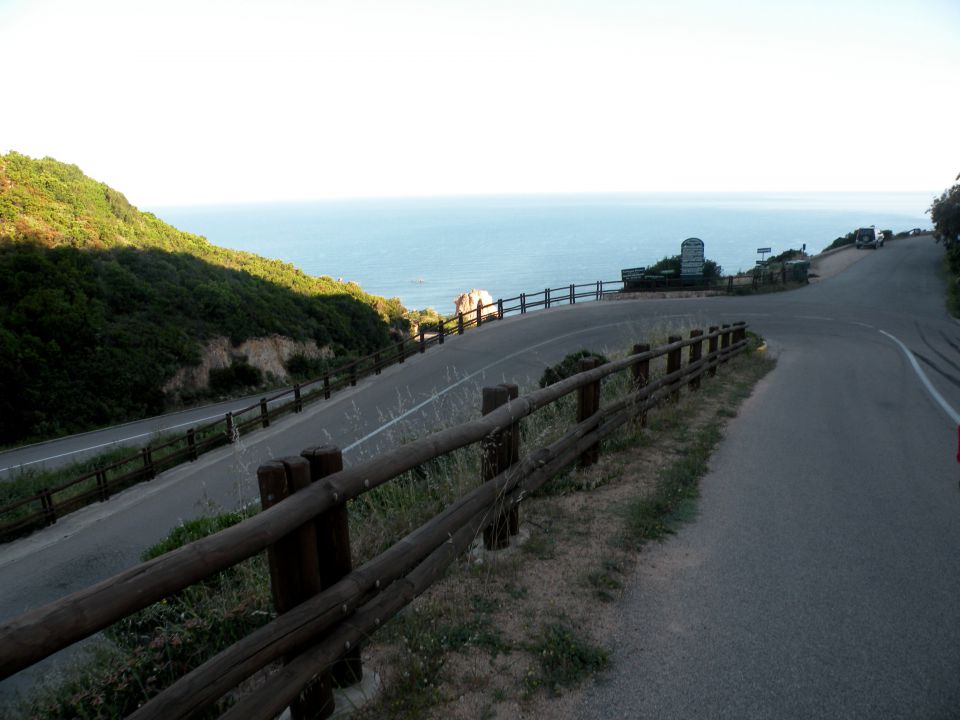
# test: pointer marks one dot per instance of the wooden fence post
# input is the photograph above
(712, 347)
(724, 341)
(459, 323)
(353, 374)
(192, 443)
(102, 487)
(297, 400)
(423, 342)
(400, 352)
(641, 374)
(148, 467)
(523, 303)
(264, 413)
(573, 295)
(46, 507)
(499, 308)
(588, 403)
(294, 571)
(231, 433)
(599, 291)
(333, 551)
(696, 352)
(479, 313)
(546, 298)
(440, 332)
(495, 449)
(377, 363)
(673, 364)
(326, 386)
(730, 284)
(513, 453)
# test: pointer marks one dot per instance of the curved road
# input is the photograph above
(826, 554)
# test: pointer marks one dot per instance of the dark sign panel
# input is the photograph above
(631, 274)
(691, 257)
(763, 250)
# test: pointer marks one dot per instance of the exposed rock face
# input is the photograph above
(269, 354)
(466, 303)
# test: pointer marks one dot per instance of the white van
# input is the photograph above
(869, 237)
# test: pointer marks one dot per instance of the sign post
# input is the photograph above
(762, 253)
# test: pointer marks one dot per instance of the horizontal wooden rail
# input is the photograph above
(40, 632)
(217, 676)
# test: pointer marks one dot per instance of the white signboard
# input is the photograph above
(691, 257)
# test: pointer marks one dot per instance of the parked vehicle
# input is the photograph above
(868, 237)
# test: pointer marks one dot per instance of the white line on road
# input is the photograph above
(951, 413)
(436, 395)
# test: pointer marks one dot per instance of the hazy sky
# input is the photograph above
(199, 102)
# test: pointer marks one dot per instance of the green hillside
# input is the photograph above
(100, 303)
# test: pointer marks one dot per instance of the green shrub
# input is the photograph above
(568, 367)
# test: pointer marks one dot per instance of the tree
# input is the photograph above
(945, 213)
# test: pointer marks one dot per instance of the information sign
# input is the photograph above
(691, 257)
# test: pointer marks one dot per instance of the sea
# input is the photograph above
(426, 251)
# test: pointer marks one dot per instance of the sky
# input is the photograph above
(204, 102)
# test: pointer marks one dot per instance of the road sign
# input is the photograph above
(632, 274)
(763, 251)
(691, 257)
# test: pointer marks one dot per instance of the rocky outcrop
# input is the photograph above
(466, 303)
(268, 354)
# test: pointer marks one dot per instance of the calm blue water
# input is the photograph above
(426, 251)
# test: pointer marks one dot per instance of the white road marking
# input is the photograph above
(444, 391)
(951, 413)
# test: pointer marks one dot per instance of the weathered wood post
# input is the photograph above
(192, 443)
(696, 352)
(297, 400)
(573, 295)
(599, 289)
(440, 332)
(495, 449)
(641, 374)
(148, 468)
(377, 363)
(499, 308)
(523, 303)
(332, 530)
(102, 488)
(295, 571)
(401, 353)
(588, 403)
(353, 373)
(326, 387)
(479, 312)
(46, 507)
(546, 297)
(724, 342)
(730, 284)
(459, 323)
(423, 342)
(264, 413)
(739, 331)
(513, 453)
(712, 348)
(673, 364)
(230, 432)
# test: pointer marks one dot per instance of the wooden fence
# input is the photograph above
(46, 506)
(326, 608)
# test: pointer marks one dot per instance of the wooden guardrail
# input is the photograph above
(49, 504)
(325, 607)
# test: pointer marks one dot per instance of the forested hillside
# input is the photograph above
(100, 303)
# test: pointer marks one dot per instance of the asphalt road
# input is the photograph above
(821, 578)
(842, 456)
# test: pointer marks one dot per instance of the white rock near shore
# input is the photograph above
(467, 302)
